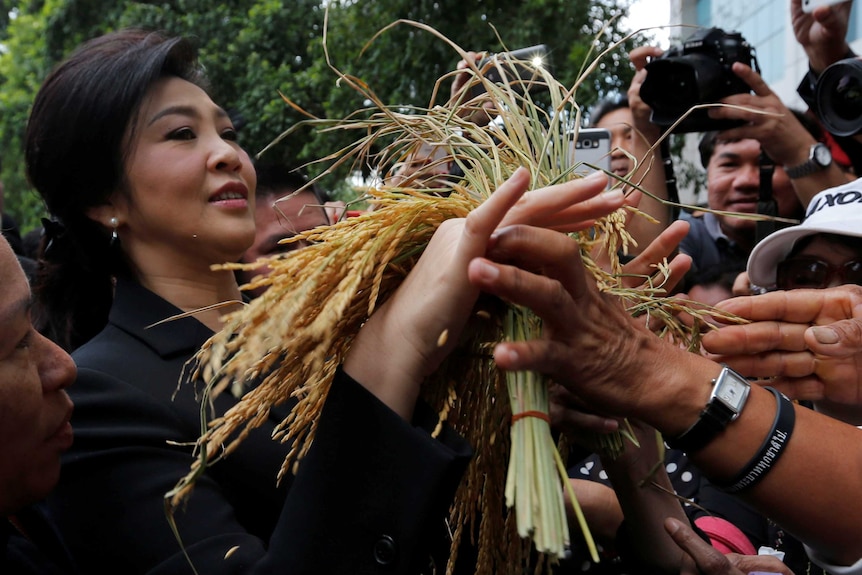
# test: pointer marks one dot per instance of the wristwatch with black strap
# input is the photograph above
(819, 158)
(729, 394)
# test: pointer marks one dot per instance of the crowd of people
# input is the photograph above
(758, 475)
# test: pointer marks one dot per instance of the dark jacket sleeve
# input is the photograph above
(372, 492)
(363, 501)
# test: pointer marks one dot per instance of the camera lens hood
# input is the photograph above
(838, 97)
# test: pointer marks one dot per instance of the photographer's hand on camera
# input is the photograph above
(766, 118)
(640, 109)
(822, 33)
(784, 139)
(481, 114)
(830, 87)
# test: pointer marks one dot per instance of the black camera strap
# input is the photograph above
(766, 204)
(670, 179)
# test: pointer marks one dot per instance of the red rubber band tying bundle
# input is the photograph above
(537, 414)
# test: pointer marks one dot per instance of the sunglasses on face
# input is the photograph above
(812, 273)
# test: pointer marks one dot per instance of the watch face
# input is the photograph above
(732, 391)
(822, 155)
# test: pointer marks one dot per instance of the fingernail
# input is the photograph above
(511, 355)
(596, 176)
(825, 335)
(487, 271)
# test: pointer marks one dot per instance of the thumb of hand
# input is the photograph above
(840, 339)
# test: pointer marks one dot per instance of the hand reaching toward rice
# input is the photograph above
(811, 340)
(425, 316)
(612, 345)
(704, 559)
(592, 346)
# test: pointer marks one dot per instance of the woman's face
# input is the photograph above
(190, 199)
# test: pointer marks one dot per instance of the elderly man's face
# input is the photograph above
(34, 407)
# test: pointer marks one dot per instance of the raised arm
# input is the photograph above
(822, 33)
(615, 364)
(650, 173)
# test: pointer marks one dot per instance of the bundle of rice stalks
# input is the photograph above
(290, 340)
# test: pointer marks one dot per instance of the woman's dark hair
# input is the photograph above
(76, 145)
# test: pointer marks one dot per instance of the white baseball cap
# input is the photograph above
(833, 211)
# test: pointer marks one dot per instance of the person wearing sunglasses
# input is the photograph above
(824, 250)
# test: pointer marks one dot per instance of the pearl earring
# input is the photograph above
(114, 223)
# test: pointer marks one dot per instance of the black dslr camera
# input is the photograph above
(696, 72)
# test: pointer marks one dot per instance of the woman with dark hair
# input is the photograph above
(149, 187)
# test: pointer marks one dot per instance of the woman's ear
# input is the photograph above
(105, 214)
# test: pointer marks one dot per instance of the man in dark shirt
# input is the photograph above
(719, 244)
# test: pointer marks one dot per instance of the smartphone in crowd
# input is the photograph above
(810, 5)
(592, 150)
(518, 68)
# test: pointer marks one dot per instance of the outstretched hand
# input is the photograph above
(421, 322)
(567, 413)
(809, 341)
(590, 342)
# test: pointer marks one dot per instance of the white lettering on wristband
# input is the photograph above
(770, 450)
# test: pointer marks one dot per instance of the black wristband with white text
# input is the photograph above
(770, 450)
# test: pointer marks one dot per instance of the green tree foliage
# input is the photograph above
(254, 49)
(403, 64)
(23, 65)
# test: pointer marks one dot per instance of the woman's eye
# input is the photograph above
(182, 134)
(230, 134)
